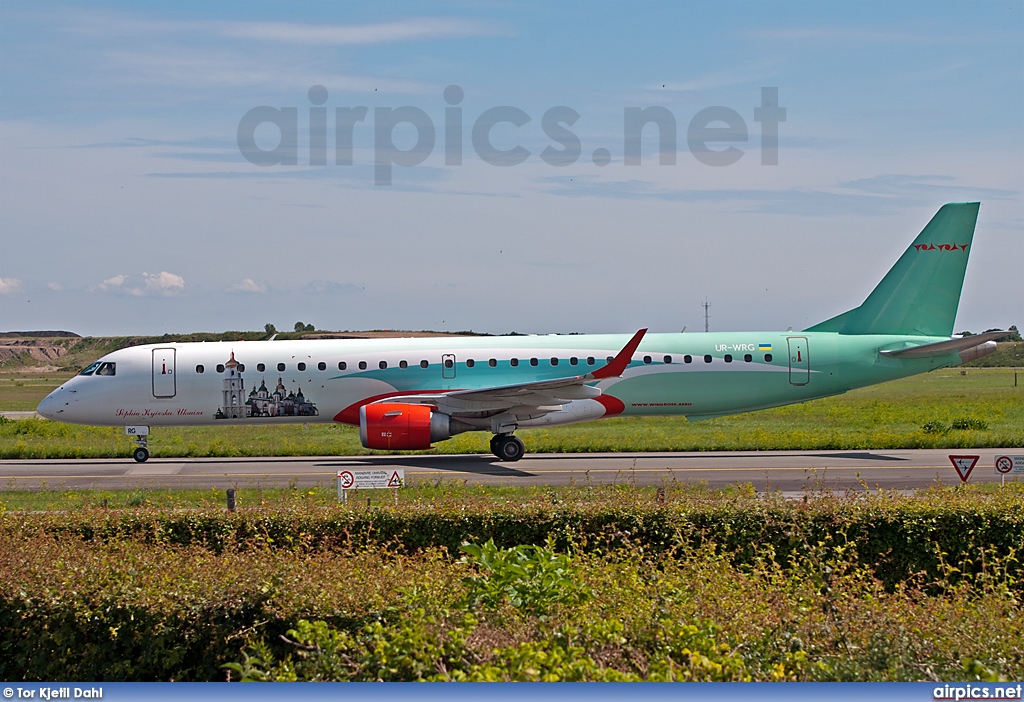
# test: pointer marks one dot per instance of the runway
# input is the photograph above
(786, 471)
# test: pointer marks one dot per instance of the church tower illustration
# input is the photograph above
(233, 403)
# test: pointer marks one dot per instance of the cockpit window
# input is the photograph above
(90, 369)
(107, 369)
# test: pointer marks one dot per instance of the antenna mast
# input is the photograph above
(706, 305)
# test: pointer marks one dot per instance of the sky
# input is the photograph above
(195, 166)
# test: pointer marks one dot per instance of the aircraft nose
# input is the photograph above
(52, 405)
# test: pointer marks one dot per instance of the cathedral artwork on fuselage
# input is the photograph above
(260, 402)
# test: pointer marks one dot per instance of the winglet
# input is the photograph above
(617, 365)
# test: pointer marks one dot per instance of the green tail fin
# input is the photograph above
(920, 294)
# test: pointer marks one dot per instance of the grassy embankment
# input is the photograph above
(918, 412)
(584, 583)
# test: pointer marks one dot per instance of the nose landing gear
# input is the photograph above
(507, 447)
(141, 436)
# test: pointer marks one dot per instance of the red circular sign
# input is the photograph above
(346, 478)
(1004, 464)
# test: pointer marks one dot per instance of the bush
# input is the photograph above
(703, 587)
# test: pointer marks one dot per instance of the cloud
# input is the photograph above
(327, 287)
(111, 284)
(247, 286)
(54, 285)
(860, 36)
(162, 284)
(925, 186)
(349, 34)
(9, 286)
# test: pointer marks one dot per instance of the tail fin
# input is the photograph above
(920, 294)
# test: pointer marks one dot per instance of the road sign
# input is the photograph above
(371, 479)
(1005, 465)
(964, 465)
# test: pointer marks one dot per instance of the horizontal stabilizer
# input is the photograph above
(941, 348)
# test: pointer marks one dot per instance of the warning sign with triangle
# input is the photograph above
(964, 465)
(396, 480)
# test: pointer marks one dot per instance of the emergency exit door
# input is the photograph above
(448, 366)
(164, 384)
(799, 361)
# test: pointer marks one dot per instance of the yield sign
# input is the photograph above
(964, 465)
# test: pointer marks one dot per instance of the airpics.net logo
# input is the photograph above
(711, 134)
(974, 693)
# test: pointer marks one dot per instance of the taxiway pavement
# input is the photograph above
(786, 471)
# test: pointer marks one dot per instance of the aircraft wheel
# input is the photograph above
(494, 445)
(509, 448)
(141, 454)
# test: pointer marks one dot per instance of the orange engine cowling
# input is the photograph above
(400, 426)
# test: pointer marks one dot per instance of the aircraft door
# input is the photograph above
(799, 360)
(448, 366)
(164, 384)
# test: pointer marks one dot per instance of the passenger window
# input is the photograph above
(424, 364)
(280, 366)
(107, 369)
(647, 359)
(220, 367)
(449, 363)
(302, 366)
(611, 358)
(90, 369)
(668, 359)
(261, 367)
(768, 358)
(590, 360)
(199, 369)
(728, 358)
(687, 358)
(342, 365)
(382, 365)
(573, 361)
(470, 363)
(707, 358)
(403, 364)
(747, 358)
(513, 362)
(321, 366)
(493, 362)
(554, 361)
(533, 361)
(362, 365)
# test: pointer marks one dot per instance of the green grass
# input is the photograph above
(888, 416)
(22, 392)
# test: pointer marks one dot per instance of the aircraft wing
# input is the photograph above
(540, 396)
(941, 348)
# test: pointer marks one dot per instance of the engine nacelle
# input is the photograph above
(398, 426)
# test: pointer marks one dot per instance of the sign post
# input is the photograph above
(369, 479)
(1006, 465)
(964, 465)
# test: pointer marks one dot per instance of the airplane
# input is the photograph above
(406, 394)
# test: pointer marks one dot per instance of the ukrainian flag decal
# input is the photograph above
(764, 347)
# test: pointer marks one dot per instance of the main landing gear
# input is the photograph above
(507, 447)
